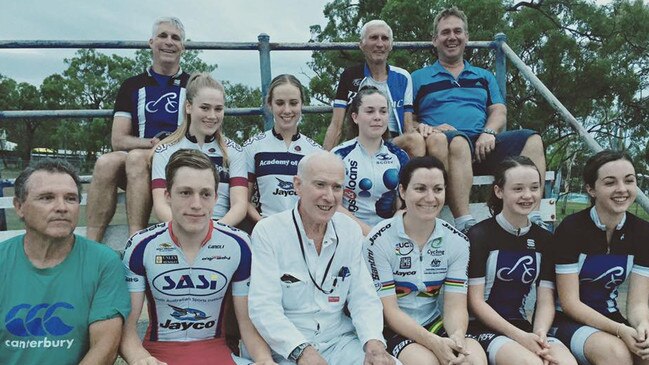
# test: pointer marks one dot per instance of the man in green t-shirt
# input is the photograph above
(63, 298)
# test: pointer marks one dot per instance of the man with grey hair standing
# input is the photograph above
(394, 82)
(148, 107)
(307, 266)
(61, 298)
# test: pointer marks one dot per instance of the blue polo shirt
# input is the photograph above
(441, 98)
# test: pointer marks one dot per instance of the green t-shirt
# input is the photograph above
(45, 313)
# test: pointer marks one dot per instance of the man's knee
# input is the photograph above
(109, 166)
(138, 161)
(534, 143)
(437, 144)
(459, 147)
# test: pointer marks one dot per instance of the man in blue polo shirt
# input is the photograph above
(394, 82)
(463, 105)
(147, 106)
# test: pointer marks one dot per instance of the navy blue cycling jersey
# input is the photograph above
(509, 264)
(152, 102)
(581, 248)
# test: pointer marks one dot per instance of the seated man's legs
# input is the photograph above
(460, 179)
(108, 174)
(413, 143)
(138, 189)
(437, 146)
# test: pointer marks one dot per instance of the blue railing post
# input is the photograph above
(264, 70)
(501, 63)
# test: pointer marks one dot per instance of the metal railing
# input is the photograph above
(265, 47)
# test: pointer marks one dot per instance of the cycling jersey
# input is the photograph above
(232, 175)
(371, 182)
(185, 301)
(398, 267)
(271, 166)
(398, 84)
(508, 263)
(580, 242)
(152, 102)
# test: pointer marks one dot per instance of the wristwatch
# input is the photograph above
(298, 351)
(489, 131)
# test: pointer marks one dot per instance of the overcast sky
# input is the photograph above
(204, 20)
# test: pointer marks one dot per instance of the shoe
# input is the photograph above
(470, 223)
(536, 219)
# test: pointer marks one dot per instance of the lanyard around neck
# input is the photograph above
(299, 237)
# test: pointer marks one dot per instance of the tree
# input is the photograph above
(592, 57)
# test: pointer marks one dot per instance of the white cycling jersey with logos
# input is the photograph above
(271, 166)
(371, 181)
(185, 300)
(399, 267)
(234, 174)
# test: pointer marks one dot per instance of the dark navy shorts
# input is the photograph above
(575, 334)
(491, 341)
(508, 143)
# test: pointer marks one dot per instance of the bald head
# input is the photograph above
(318, 159)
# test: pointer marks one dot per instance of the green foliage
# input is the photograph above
(594, 58)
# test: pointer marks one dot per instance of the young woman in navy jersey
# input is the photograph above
(509, 258)
(598, 250)
(411, 257)
(272, 156)
(372, 165)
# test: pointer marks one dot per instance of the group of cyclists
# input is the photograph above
(451, 293)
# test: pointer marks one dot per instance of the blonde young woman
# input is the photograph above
(201, 130)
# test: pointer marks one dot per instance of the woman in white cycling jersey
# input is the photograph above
(372, 164)
(202, 130)
(411, 257)
(510, 257)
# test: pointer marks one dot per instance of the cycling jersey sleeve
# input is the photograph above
(237, 166)
(378, 263)
(134, 265)
(565, 247)
(458, 262)
(478, 257)
(158, 165)
(241, 277)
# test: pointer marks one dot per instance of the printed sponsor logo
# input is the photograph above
(404, 248)
(216, 246)
(165, 246)
(373, 271)
(435, 252)
(188, 314)
(351, 185)
(405, 273)
(383, 157)
(614, 275)
(284, 188)
(437, 243)
(26, 320)
(531, 244)
(379, 233)
(131, 280)
(168, 101)
(523, 268)
(435, 262)
(166, 259)
(217, 257)
(203, 282)
(405, 263)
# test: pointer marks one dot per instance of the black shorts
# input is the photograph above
(396, 343)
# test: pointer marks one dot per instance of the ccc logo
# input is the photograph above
(38, 320)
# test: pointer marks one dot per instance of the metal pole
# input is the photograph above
(264, 70)
(642, 199)
(501, 64)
